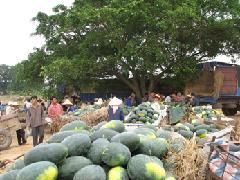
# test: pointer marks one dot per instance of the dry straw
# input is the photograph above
(95, 117)
(189, 163)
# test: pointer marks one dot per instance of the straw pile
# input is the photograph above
(189, 163)
(236, 134)
(57, 123)
(95, 117)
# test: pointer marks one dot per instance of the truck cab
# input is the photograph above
(217, 84)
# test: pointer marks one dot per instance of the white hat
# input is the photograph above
(115, 102)
(9, 103)
(67, 102)
(14, 104)
(99, 102)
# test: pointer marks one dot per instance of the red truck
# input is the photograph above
(217, 84)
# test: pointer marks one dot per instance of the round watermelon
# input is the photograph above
(143, 167)
(129, 139)
(71, 165)
(10, 175)
(74, 126)
(91, 172)
(39, 170)
(54, 152)
(115, 125)
(116, 154)
(77, 144)
(118, 173)
(96, 150)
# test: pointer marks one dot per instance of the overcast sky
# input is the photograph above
(16, 41)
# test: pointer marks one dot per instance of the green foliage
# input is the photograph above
(5, 77)
(149, 40)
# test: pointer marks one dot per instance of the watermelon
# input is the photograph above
(154, 147)
(116, 154)
(43, 170)
(71, 165)
(77, 144)
(164, 134)
(190, 126)
(145, 133)
(96, 150)
(143, 167)
(117, 173)
(186, 134)
(60, 136)
(129, 139)
(201, 133)
(18, 164)
(115, 125)
(180, 126)
(54, 152)
(74, 126)
(91, 172)
(203, 126)
(150, 126)
(10, 175)
(103, 133)
(99, 125)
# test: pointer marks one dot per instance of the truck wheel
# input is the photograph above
(5, 139)
(229, 111)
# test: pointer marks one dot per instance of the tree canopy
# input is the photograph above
(139, 42)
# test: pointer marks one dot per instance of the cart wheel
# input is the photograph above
(5, 139)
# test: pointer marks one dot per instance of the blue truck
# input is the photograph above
(217, 84)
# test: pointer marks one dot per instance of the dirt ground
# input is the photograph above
(15, 150)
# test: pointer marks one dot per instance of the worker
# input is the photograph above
(115, 112)
(36, 121)
(55, 109)
(156, 102)
(20, 130)
(9, 108)
(68, 104)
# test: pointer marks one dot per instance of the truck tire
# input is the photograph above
(229, 111)
(5, 139)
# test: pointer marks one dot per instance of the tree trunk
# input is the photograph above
(142, 82)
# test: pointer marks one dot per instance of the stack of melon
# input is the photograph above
(144, 113)
(87, 109)
(201, 129)
(127, 109)
(106, 151)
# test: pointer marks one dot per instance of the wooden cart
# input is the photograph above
(9, 124)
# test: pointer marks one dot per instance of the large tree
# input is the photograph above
(5, 77)
(138, 41)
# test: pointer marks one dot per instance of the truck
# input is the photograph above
(217, 84)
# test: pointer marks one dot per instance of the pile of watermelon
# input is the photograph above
(206, 113)
(187, 129)
(104, 152)
(127, 109)
(143, 113)
(87, 109)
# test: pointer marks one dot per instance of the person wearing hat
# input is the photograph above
(115, 112)
(20, 130)
(156, 102)
(69, 105)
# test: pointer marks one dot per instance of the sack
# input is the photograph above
(28, 132)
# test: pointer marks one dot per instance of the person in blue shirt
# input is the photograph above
(115, 112)
(132, 100)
